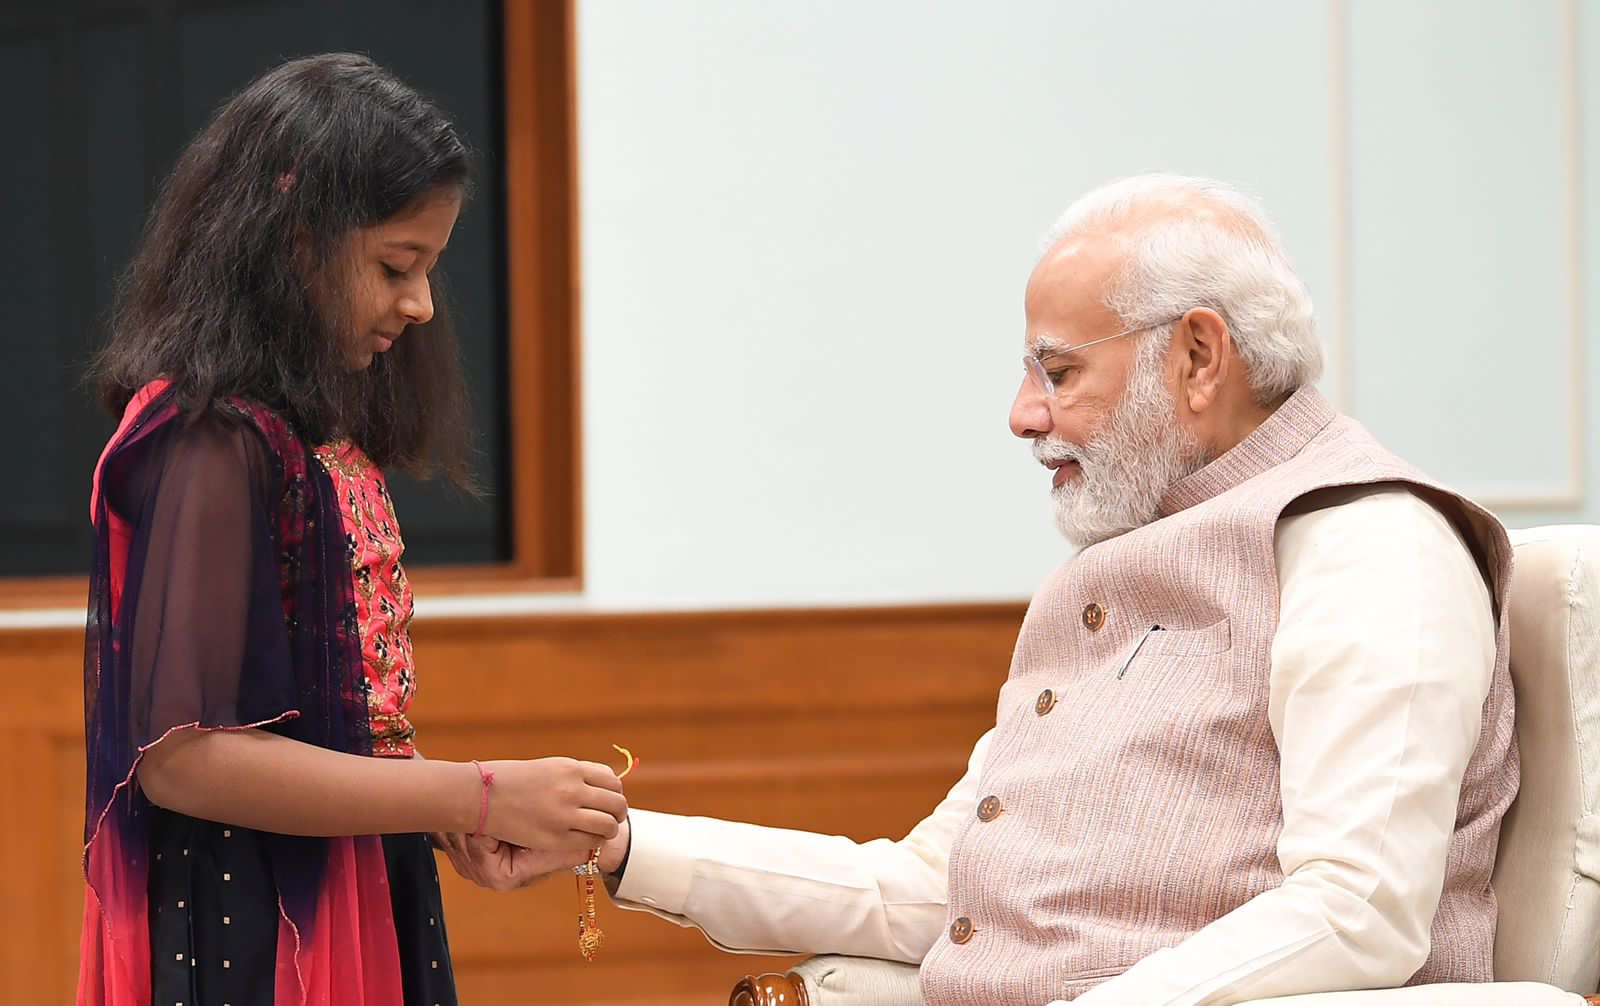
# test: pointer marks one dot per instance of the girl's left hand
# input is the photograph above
(500, 866)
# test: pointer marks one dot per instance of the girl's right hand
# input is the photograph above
(554, 803)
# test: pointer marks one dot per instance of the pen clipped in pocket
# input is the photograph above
(1137, 646)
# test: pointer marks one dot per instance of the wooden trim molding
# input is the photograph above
(26, 592)
(542, 357)
(542, 288)
(853, 722)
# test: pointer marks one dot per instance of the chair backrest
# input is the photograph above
(1547, 874)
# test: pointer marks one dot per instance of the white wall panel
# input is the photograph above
(806, 230)
(1464, 349)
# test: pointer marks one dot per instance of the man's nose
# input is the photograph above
(1030, 412)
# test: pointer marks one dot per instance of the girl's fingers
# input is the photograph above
(596, 774)
(595, 824)
(607, 802)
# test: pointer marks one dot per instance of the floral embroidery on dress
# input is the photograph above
(383, 594)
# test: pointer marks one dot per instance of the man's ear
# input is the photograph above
(1204, 345)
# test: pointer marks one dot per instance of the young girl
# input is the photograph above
(248, 665)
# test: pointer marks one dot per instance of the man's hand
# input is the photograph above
(501, 866)
(615, 849)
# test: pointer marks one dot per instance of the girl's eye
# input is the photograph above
(391, 272)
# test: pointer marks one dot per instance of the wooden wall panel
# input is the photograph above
(853, 722)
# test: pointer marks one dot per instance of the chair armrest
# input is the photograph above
(769, 990)
(1450, 994)
(834, 980)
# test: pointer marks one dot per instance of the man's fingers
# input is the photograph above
(482, 844)
(526, 867)
(480, 859)
(450, 843)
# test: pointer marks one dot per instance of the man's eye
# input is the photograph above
(1057, 374)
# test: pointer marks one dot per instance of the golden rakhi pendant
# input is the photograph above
(589, 935)
(590, 938)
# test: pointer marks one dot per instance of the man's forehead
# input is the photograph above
(1077, 265)
(1065, 297)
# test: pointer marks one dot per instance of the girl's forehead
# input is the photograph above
(423, 226)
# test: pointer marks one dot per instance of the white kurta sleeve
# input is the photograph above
(771, 890)
(1381, 663)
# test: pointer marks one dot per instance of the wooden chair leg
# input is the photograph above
(769, 990)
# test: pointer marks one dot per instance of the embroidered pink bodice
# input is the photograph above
(383, 594)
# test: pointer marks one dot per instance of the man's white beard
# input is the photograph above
(1127, 467)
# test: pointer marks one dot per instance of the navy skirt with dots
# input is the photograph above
(214, 941)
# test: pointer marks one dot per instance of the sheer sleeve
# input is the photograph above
(201, 624)
(220, 598)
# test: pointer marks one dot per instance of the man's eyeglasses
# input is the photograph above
(1040, 367)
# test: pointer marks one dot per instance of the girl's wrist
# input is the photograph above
(457, 795)
(484, 777)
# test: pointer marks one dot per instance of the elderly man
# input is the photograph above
(1257, 734)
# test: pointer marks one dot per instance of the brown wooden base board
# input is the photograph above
(852, 722)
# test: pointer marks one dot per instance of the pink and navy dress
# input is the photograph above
(382, 594)
(243, 580)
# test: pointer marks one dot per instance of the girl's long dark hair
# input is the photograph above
(222, 296)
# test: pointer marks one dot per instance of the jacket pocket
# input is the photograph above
(1168, 642)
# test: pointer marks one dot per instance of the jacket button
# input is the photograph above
(1045, 702)
(1094, 616)
(961, 930)
(989, 808)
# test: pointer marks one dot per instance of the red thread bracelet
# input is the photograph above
(487, 775)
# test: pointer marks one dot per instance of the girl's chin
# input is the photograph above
(358, 360)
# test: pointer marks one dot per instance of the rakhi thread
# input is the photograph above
(590, 937)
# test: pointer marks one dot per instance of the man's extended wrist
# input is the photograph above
(613, 878)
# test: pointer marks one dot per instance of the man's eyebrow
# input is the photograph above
(1039, 345)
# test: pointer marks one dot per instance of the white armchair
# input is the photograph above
(1547, 878)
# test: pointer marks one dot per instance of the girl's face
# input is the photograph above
(388, 266)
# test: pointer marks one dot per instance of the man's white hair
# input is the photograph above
(1229, 260)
